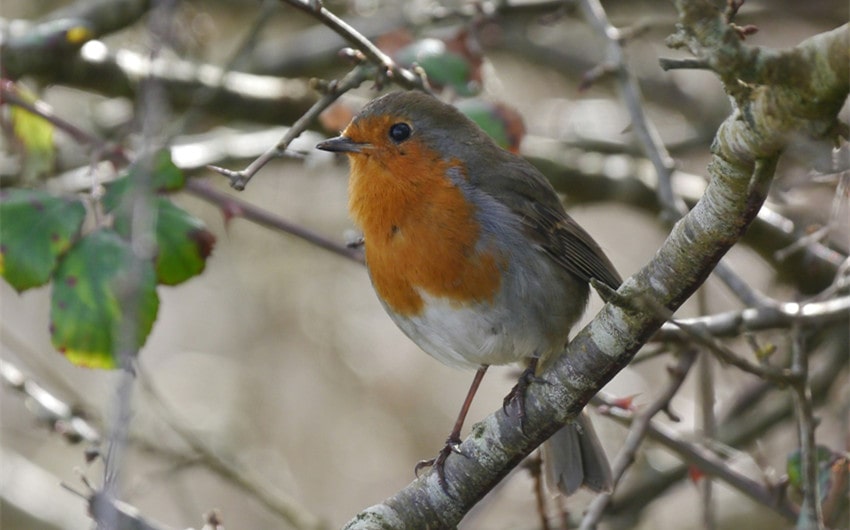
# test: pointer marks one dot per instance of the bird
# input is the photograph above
(472, 255)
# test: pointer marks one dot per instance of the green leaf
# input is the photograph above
(36, 136)
(91, 289)
(163, 174)
(443, 66)
(502, 123)
(35, 228)
(794, 464)
(183, 243)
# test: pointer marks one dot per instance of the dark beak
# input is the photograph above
(341, 144)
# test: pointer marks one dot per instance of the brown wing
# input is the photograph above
(569, 245)
(522, 188)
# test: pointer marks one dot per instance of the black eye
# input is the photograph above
(399, 132)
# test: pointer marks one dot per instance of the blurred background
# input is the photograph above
(279, 357)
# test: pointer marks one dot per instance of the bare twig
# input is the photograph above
(534, 466)
(61, 418)
(278, 502)
(747, 426)
(9, 94)
(239, 179)
(811, 518)
(645, 130)
(637, 433)
(235, 207)
(711, 464)
(401, 76)
(733, 323)
(126, 343)
(706, 401)
(112, 514)
(780, 376)
(673, 207)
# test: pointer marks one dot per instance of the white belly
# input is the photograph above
(467, 337)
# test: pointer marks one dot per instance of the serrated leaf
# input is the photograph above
(35, 228)
(183, 243)
(90, 291)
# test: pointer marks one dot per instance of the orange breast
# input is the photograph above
(421, 234)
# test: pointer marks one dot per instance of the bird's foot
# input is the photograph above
(517, 393)
(438, 464)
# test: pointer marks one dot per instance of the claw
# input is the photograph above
(517, 393)
(439, 463)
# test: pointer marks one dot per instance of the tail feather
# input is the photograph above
(576, 458)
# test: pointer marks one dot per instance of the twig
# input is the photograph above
(112, 514)
(239, 179)
(9, 94)
(637, 433)
(783, 315)
(706, 399)
(235, 207)
(127, 343)
(672, 206)
(710, 463)
(780, 376)
(278, 502)
(811, 518)
(401, 76)
(683, 64)
(745, 427)
(534, 465)
(51, 410)
(646, 132)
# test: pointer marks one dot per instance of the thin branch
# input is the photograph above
(673, 207)
(637, 433)
(57, 414)
(711, 464)
(239, 179)
(734, 323)
(278, 502)
(747, 426)
(386, 67)
(111, 514)
(646, 132)
(706, 401)
(235, 207)
(9, 94)
(780, 376)
(811, 517)
(401, 76)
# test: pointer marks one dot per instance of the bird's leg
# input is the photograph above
(517, 393)
(453, 441)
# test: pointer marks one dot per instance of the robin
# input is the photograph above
(472, 255)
